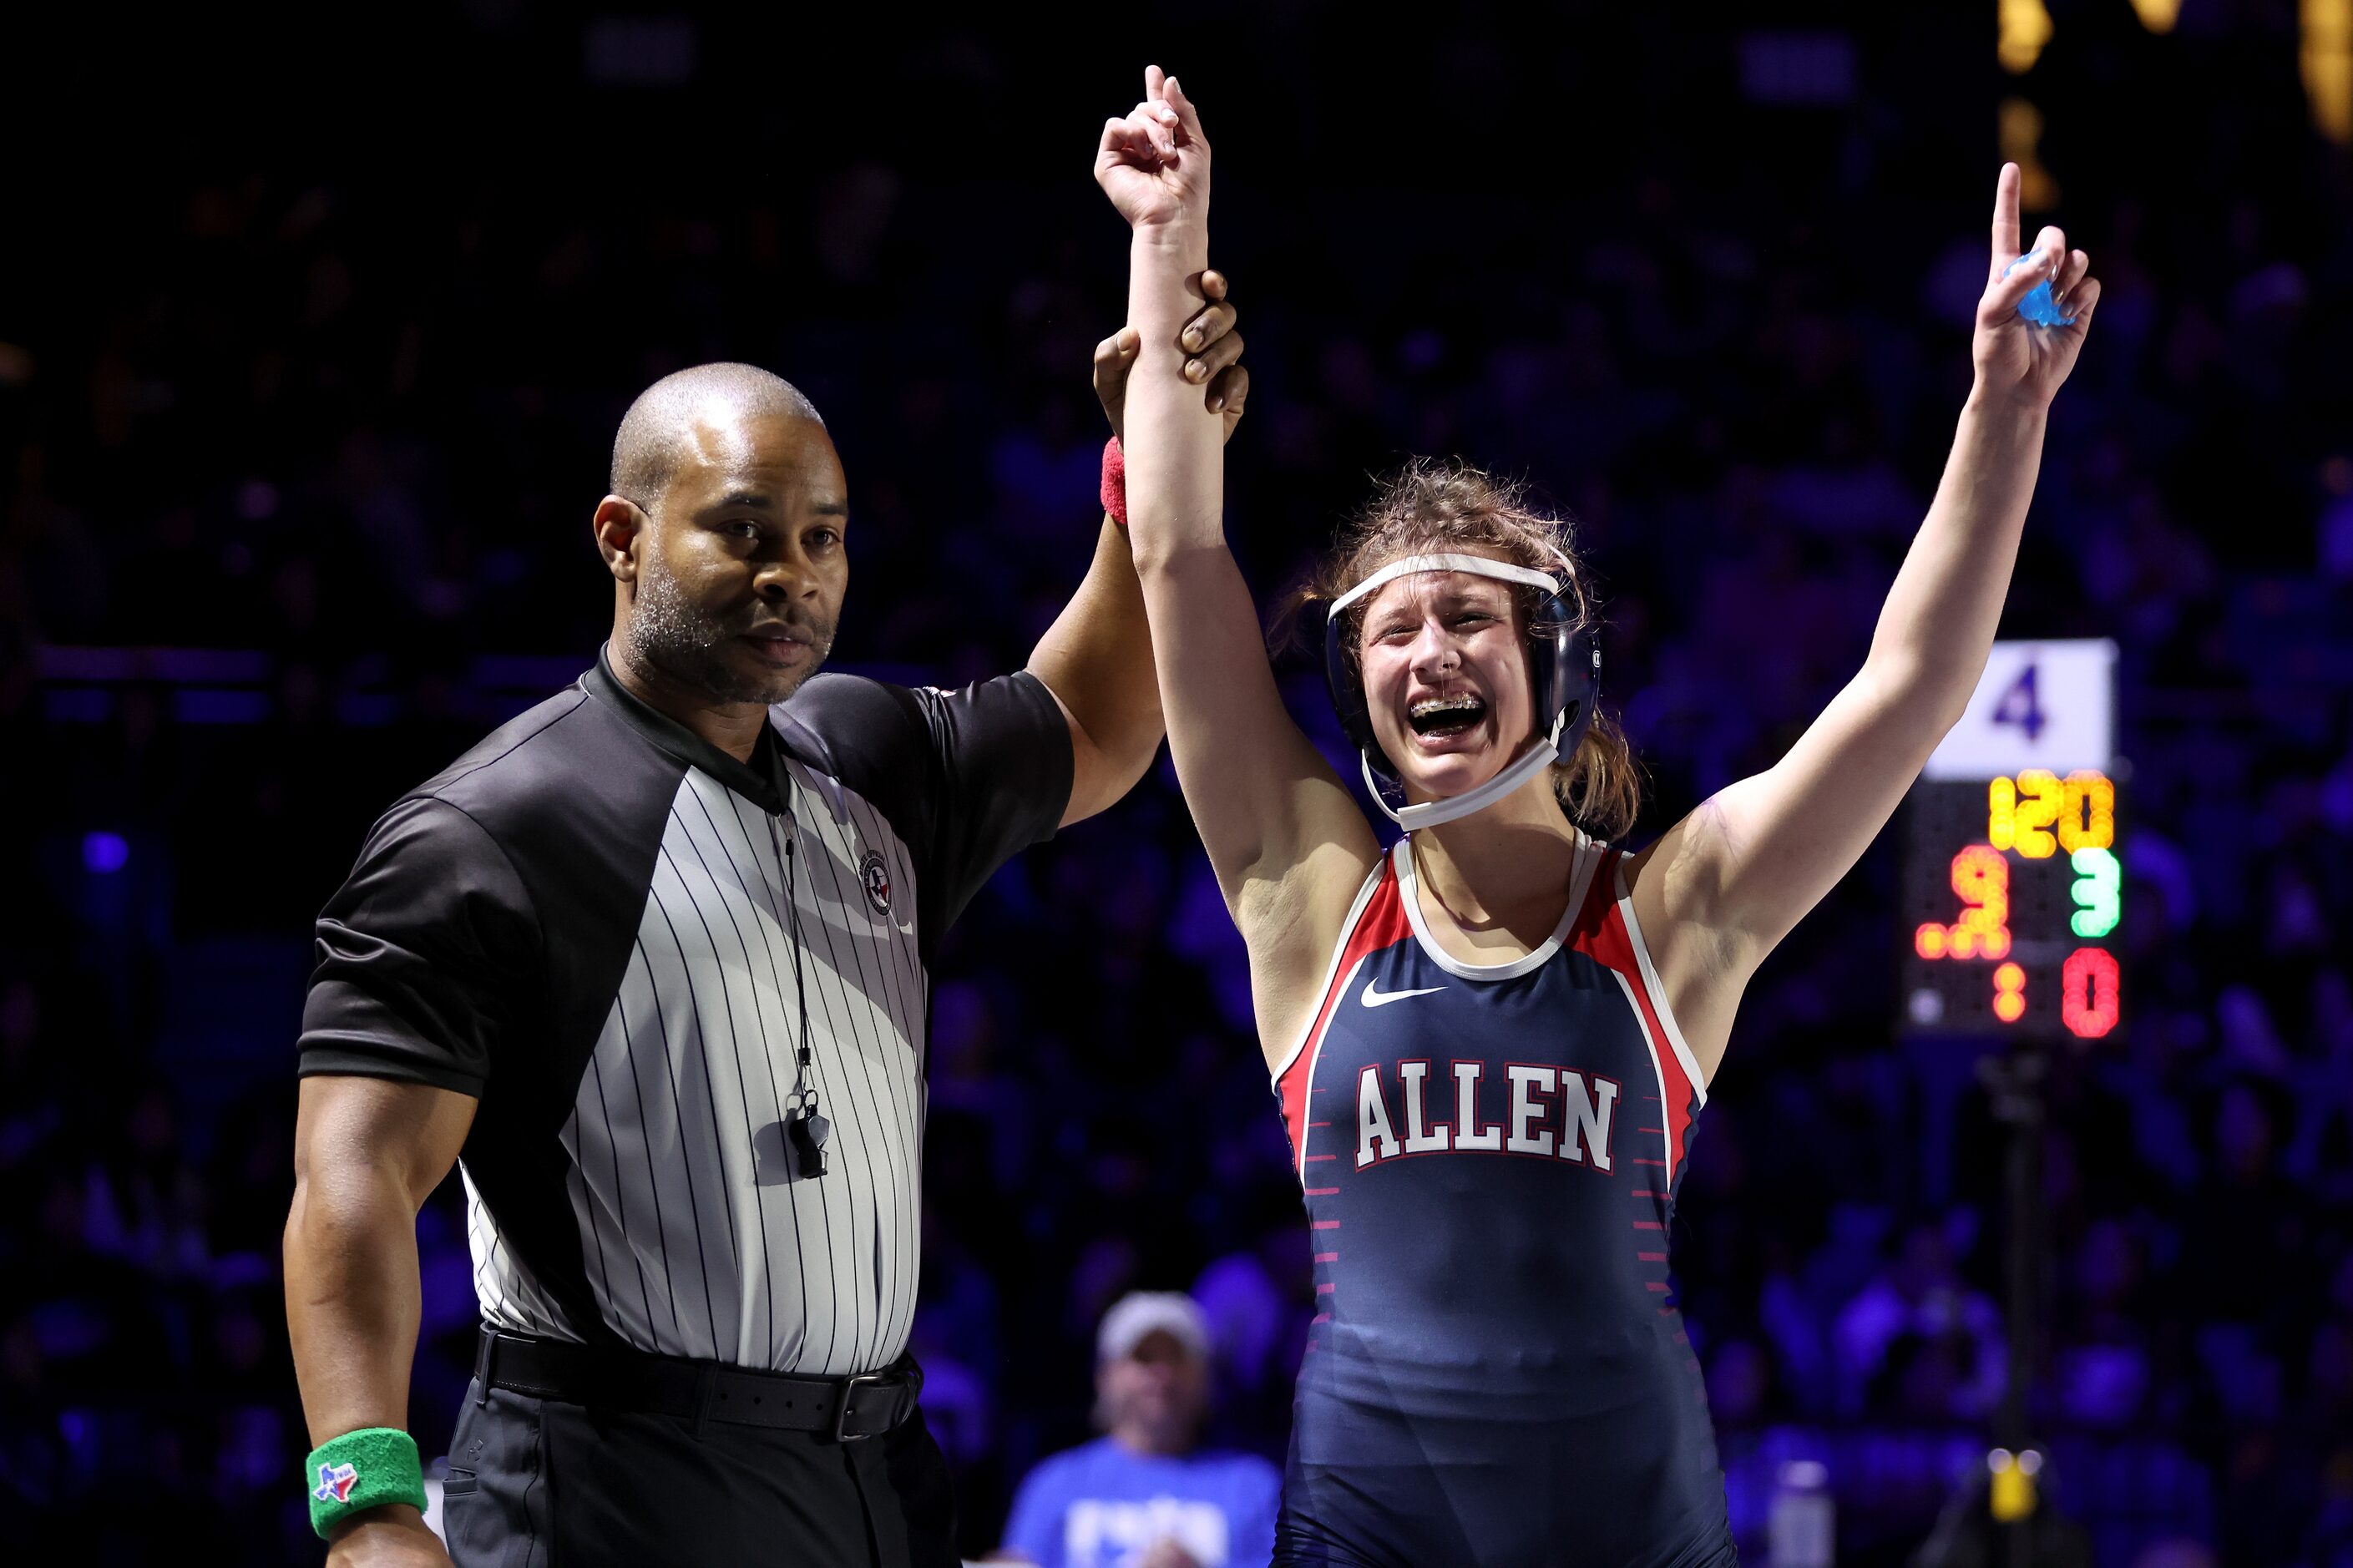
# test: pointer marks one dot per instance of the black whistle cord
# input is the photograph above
(803, 1127)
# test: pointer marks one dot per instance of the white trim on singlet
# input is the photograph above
(1588, 854)
(1299, 1155)
(1331, 973)
(1659, 1072)
(1657, 990)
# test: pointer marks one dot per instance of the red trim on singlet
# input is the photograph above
(1382, 924)
(1601, 935)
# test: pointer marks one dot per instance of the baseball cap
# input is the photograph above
(1141, 1313)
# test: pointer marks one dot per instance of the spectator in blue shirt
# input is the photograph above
(1142, 1496)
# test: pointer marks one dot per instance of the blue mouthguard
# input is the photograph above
(2039, 306)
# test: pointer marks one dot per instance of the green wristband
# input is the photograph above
(362, 1469)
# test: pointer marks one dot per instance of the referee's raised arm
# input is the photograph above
(367, 1152)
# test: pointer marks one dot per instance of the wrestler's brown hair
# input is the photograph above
(1432, 508)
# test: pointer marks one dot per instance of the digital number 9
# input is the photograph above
(1981, 878)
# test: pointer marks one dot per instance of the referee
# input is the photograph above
(650, 965)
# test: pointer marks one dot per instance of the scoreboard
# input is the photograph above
(2013, 884)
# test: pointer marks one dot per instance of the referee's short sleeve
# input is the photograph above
(968, 777)
(425, 955)
(1003, 751)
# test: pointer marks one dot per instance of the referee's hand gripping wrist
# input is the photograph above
(392, 1536)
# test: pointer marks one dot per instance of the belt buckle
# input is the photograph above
(841, 1433)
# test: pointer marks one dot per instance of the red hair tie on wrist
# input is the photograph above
(1114, 482)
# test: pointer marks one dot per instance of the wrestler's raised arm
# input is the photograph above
(1289, 844)
(1727, 883)
(1096, 659)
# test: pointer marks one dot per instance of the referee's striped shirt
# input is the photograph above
(587, 922)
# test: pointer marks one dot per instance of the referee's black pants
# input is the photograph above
(537, 1483)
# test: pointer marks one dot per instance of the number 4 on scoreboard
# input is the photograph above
(2022, 705)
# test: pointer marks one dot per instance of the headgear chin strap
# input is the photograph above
(1568, 680)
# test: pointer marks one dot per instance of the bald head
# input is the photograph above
(657, 432)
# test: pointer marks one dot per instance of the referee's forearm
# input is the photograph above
(352, 1299)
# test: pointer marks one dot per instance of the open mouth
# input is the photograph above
(1435, 718)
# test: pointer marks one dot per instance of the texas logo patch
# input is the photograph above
(335, 1483)
(876, 878)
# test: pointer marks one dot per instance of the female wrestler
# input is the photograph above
(1490, 1043)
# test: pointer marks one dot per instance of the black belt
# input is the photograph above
(864, 1406)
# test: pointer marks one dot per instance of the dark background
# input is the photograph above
(313, 337)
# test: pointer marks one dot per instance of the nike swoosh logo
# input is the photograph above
(1376, 997)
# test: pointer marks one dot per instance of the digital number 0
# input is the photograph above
(2088, 987)
(2088, 820)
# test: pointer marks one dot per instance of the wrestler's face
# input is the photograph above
(741, 572)
(1445, 660)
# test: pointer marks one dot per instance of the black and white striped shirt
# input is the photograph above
(583, 922)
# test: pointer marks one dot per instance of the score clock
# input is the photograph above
(2013, 886)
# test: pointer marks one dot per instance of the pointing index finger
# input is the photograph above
(2005, 217)
(1186, 113)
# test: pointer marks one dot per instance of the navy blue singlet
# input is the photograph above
(1497, 1374)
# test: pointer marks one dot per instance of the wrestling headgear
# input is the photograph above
(1566, 664)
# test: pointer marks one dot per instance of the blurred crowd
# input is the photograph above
(326, 422)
